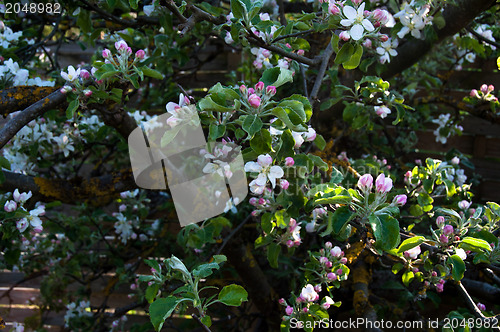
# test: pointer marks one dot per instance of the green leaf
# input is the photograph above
(397, 267)
(473, 244)
(338, 220)
(261, 142)
(276, 76)
(239, 10)
(151, 292)
(215, 131)
(161, 309)
(354, 60)
(344, 54)
(219, 259)
(273, 252)
(386, 231)
(411, 243)
(233, 295)
(72, 107)
(206, 320)
(283, 115)
(408, 276)
(458, 269)
(84, 21)
(287, 144)
(151, 72)
(251, 124)
(133, 4)
(320, 142)
(205, 270)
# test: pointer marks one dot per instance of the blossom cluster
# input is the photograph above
(485, 93)
(445, 128)
(7, 36)
(11, 74)
(257, 98)
(32, 217)
(75, 311)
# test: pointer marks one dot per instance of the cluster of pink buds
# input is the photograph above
(484, 93)
(438, 282)
(293, 234)
(331, 260)
(383, 184)
(447, 232)
(257, 96)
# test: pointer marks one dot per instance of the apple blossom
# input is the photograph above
(413, 252)
(308, 293)
(328, 302)
(310, 135)
(84, 74)
(382, 111)
(10, 206)
(21, 197)
(328, 245)
(71, 75)
(289, 161)
(265, 170)
(344, 35)
(400, 200)
(336, 252)
(121, 45)
(357, 21)
(383, 184)
(140, 54)
(365, 182)
(289, 310)
(464, 205)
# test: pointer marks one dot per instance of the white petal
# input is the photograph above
(261, 179)
(380, 50)
(402, 33)
(252, 166)
(393, 52)
(347, 23)
(368, 25)
(350, 12)
(356, 31)
(276, 171)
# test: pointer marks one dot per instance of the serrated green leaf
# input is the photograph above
(161, 309)
(273, 252)
(410, 243)
(458, 269)
(252, 124)
(151, 72)
(355, 58)
(276, 76)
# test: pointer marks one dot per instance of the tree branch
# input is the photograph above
(456, 17)
(99, 190)
(30, 113)
(482, 38)
(18, 98)
(325, 59)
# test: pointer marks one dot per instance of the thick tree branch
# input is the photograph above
(18, 98)
(456, 17)
(321, 72)
(30, 113)
(99, 190)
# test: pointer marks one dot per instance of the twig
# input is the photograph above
(204, 327)
(325, 59)
(480, 37)
(234, 231)
(295, 34)
(470, 303)
(282, 12)
(304, 80)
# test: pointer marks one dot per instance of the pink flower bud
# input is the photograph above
(289, 310)
(439, 221)
(271, 90)
(384, 38)
(357, 2)
(281, 301)
(106, 53)
(292, 224)
(464, 205)
(343, 260)
(300, 52)
(87, 92)
(251, 91)
(259, 86)
(383, 184)
(484, 88)
(262, 201)
(331, 276)
(333, 9)
(344, 35)
(434, 274)
(439, 288)
(365, 182)
(400, 200)
(284, 184)
(289, 161)
(447, 230)
(340, 272)
(481, 306)
(455, 160)
(121, 45)
(367, 43)
(317, 288)
(243, 89)
(84, 74)
(328, 245)
(65, 89)
(253, 201)
(305, 310)
(254, 100)
(473, 93)
(443, 238)
(491, 88)
(415, 269)
(328, 264)
(289, 243)
(99, 82)
(325, 305)
(140, 54)
(323, 260)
